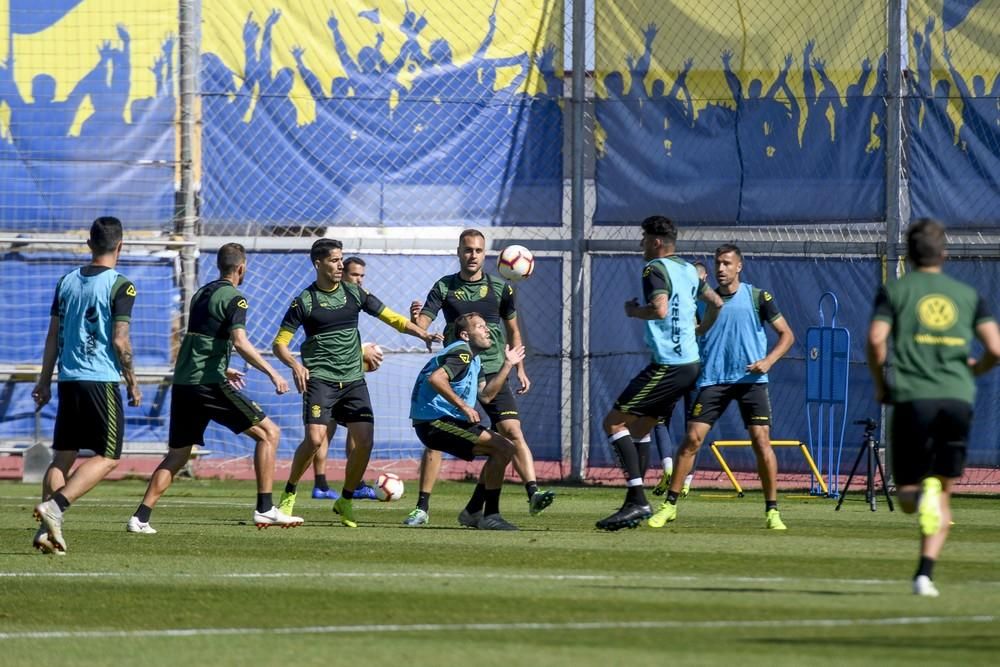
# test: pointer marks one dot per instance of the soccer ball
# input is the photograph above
(515, 262)
(375, 348)
(388, 487)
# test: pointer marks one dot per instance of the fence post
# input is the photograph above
(186, 213)
(894, 193)
(578, 302)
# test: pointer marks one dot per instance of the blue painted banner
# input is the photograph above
(725, 113)
(382, 113)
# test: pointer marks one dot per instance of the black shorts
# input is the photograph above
(928, 438)
(90, 416)
(193, 406)
(342, 402)
(712, 401)
(503, 406)
(656, 389)
(450, 435)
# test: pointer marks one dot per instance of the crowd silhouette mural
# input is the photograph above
(430, 133)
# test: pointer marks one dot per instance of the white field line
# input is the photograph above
(496, 627)
(502, 576)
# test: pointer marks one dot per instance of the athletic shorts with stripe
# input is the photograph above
(656, 389)
(343, 402)
(90, 416)
(450, 435)
(753, 399)
(929, 438)
(193, 406)
(503, 406)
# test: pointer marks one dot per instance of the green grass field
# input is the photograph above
(713, 588)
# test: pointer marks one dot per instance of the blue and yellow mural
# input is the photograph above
(87, 105)
(747, 111)
(382, 112)
(952, 113)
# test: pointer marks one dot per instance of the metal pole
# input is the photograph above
(895, 194)
(186, 214)
(578, 302)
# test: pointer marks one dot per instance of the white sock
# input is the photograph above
(668, 464)
(688, 479)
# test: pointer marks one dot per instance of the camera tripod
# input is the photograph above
(868, 450)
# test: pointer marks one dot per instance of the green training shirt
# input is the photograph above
(933, 319)
(491, 297)
(216, 309)
(332, 348)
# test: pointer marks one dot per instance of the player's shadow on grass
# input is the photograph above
(933, 642)
(727, 590)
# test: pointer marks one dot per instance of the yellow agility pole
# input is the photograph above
(774, 443)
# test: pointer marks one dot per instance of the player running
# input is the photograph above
(206, 389)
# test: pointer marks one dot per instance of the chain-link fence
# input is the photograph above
(808, 133)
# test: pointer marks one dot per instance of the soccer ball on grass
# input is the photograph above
(388, 487)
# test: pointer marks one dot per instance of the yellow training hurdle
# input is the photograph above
(774, 443)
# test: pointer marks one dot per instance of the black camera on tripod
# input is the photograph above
(870, 424)
(868, 452)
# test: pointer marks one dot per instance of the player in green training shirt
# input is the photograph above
(206, 389)
(931, 320)
(331, 374)
(472, 290)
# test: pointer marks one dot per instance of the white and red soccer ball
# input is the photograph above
(515, 262)
(388, 487)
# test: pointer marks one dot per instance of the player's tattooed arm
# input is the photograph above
(123, 347)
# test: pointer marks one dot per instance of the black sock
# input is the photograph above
(531, 488)
(424, 501)
(347, 493)
(926, 567)
(628, 456)
(476, 501)
(672, 497)
(643, 449)
(770, 505)
(264, 502)
(289, 487)
(636, 495)
(61, 501)
(142, 514)
(492, 498)
(320, 483)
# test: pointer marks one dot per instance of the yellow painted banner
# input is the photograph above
(759, 34)
(373, 29)
(70, 47)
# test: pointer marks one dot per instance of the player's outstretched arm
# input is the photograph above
(403, 325)
(245, 348)
(123, 348)
(440, 383)
(42, 393)
(512, 357)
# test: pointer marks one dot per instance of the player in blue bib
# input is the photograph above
(89, 339)
(734, 367)
(444, 416)
(671, 289)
